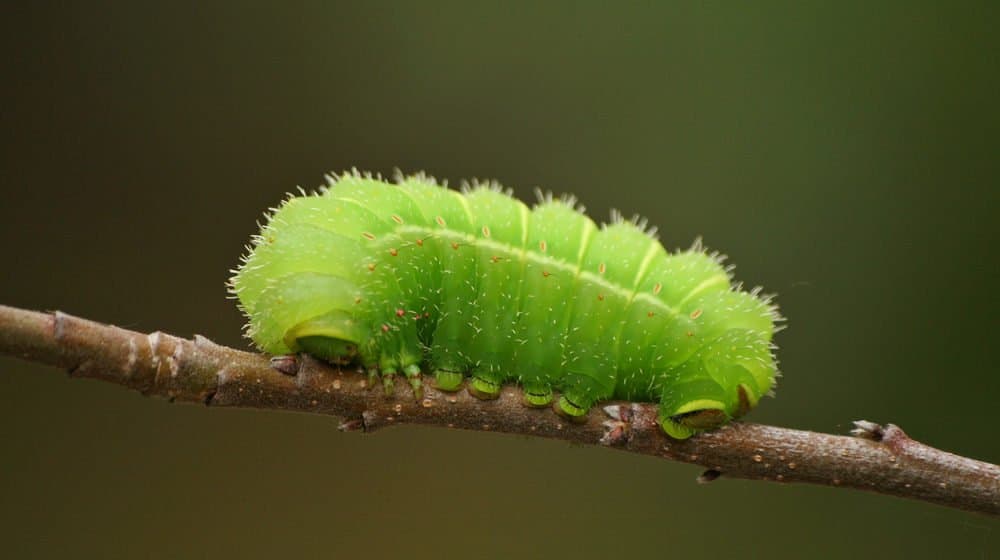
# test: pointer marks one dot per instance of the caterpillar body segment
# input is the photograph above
(479, 289)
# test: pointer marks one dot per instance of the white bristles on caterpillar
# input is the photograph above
(503, 292)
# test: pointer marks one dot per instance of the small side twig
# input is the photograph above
(876, 458)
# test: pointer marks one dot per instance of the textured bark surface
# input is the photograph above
(876, 458)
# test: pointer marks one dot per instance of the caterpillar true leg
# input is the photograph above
(412, 372)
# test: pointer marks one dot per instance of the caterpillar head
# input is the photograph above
(332, 337)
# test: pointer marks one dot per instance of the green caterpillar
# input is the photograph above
(476, 284)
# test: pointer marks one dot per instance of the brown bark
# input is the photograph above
(876, 458)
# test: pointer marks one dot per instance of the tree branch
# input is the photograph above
(878, 458)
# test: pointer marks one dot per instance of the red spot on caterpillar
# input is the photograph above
(602, 268)
(495, 258)
(542, 246)
(650, 314)
(420, 243)
(440, 221)
(371, 267)
(368, 236)
(394, 252)
(397, 219)
(546, 273)
(454, 245)
(400, 313)
(486, 231)
(600, 297)
(385, 328)
(689, 333)
(657, 288)
(696, 313)
(357, 300)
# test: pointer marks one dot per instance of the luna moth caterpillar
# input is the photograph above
(479, 290)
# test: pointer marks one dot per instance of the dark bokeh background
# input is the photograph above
(844, 156)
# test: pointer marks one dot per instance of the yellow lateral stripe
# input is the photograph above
(540, 259)
(705, 284)
(465, 206)
(525, 217)
(585, 238)
(641, 273)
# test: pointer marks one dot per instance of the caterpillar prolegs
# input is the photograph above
(480, 290)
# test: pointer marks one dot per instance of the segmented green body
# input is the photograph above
(478, 285)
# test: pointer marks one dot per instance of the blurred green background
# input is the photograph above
(843, 154)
